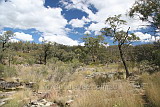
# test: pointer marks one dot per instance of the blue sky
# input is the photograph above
(65, 21)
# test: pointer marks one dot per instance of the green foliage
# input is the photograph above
(146, 66)
(100, 80)
(4, 41)
(94, 47)
(75, 63)
(6, 36)
(144, 52)
(149, 52)
(147, 9)
(156, 54)
(120, 36)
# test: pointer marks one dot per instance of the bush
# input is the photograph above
(100, 80)
(146, 66)
(30, 61)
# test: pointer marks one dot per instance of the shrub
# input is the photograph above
(100, 80)
(146, 66)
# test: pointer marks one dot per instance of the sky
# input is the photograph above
(66, 21)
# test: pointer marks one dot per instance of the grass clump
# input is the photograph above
(20, 99)
(152, 88)
(7, 71)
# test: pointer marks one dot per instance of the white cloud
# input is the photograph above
(146, 37)
(106, 45)
(87, 32)
(60, 39)
(13, 40)
(82, 44)
(22, 36)
(28, 14)
(85, 19)
(77, 23)
(106, 8)
(67, 29)
(96, 27)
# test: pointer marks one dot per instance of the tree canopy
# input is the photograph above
(147, 10)
(119, 35)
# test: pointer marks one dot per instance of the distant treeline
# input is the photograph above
(33, 53)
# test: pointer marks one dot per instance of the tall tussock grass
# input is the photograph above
(123, 96)
(153, 88)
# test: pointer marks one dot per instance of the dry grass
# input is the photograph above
(153, 88)
(121, 97)
(20, 98)
(75, 86)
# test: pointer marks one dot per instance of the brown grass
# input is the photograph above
(153, 88)
(121, 97)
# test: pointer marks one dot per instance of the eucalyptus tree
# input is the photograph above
(149, 11)
(93, 45)
(4, 41)
(119, 36)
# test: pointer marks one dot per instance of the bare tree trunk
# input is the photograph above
(9, 60)
(123, 60)
(3, 46)
(45, 57)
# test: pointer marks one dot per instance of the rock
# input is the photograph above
(40, 103)
(49, 103)
(69, 102)
(85, 69)
(5, 99)
(9, 85)
(30, 84)
(2, 103)
(2, 79)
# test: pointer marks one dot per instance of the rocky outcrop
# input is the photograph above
(41, 103)
(110, 75)
(85, 69)
(9, 85)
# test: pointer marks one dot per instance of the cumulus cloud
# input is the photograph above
(22, 36)
(146, 37)
(87, 32)
(82, 44)
(106, 8)
(77, 23)
(28, 14)
(60, 39)
(96, 26)
(13, 40)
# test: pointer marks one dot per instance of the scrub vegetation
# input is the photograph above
(94, 75)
